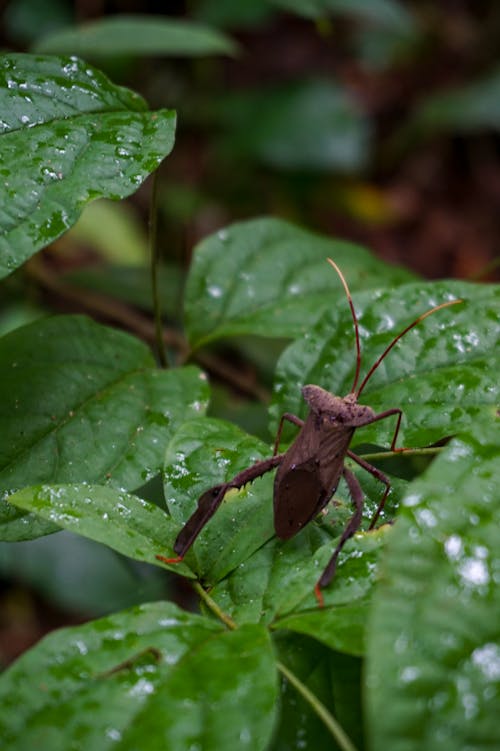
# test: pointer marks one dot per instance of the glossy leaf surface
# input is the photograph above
(442, 374)
(434, 657)
(120, 520)
(85, 403)
(268, 277)
(206, 452)
(142, 678)
(68, 136)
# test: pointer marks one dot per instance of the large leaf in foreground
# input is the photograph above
(85, 403)
(142, 678)
(443, 374)
(434, 655)
(91, 139)
(267, 277)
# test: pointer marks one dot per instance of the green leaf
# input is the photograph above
(85, 403)
(137, 35)
(152, 677)
(313, 664)
(222, 696)
(84, 686)
(341, 627)
(206, 452)
(308, 125)
(267, 277)
(388, 13)
(434, 657)
(442, 374)
(117, 519)
(92, 139)
(275, 586)
(473, 107)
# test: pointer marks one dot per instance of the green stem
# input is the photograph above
(155, 264)
(430, 451)
(330, 722)
(212, 605)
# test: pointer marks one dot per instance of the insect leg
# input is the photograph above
(291, 418)
(210, 501)
(352, 527)
(380, 477)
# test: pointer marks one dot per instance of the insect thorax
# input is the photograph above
(337, 410)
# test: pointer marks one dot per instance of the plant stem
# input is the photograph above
(325, 716)
(429, 451)
(212, 605)
(155, 263)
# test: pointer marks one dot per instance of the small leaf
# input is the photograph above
(91, 139)
(267, 277)
(137, 35)
(340, 627)
(470, 108)
(84, 686)
(442, 374)
(388, 13)
(117, 519)
(85, 403)
(433, 655)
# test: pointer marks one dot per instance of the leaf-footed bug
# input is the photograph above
(310, 470)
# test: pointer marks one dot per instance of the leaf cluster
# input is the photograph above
(405, 652)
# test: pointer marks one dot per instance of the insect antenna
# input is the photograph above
(355, 321)
(399, 336)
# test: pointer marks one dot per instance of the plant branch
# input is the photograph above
(428, 451)
(212, 605)
(319, 708)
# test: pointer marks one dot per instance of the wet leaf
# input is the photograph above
(137, 35)
(92, 139)
(84, 403)
(152, 677)
(267, 277)
(122, 521)
(442, 374)
(434, 658)
(276, 586)
(222, 695)
(84, 686)
(206, 452)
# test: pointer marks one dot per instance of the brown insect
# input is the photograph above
(310, 470)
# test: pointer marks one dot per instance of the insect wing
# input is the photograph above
(298, 495)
